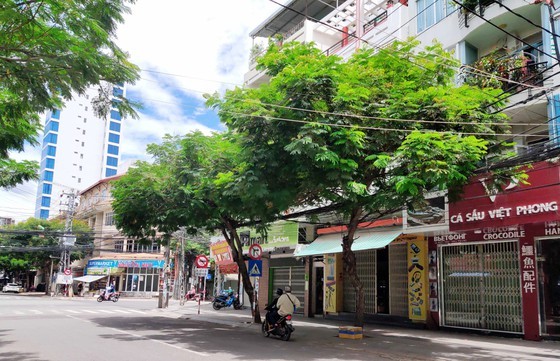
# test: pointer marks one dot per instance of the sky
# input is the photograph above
(185, 49)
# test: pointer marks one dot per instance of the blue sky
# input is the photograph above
(185, 49)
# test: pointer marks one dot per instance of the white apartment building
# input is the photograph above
(470, 270)
(78, 149)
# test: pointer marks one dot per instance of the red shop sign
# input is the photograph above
(517, 204)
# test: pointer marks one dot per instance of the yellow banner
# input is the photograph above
(333, 283)
(417, 259)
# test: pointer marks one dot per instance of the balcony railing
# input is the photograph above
(514, 72)
(473, 6)
(352, 36)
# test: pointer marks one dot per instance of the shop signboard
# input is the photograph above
(417, 260)
(333, 283)
(535, 202)
(280, 234)
(220, 251)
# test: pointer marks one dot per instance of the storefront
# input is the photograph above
(138, 277)
(392, 268)
(497, 268)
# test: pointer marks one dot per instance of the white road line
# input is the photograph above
(89, 311)
(122, 311)
(141, 312)
(147, 338)
(72, 311)
(19, 313)
(57, 311)
(106, 311)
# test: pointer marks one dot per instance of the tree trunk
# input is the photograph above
(232, 238)
(350, 269)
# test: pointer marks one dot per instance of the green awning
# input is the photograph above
(364, 240)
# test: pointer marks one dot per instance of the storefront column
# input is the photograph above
(529, 289)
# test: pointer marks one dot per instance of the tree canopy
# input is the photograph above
(371, 134)
(201, 183)
(50, 50)
(28, 245)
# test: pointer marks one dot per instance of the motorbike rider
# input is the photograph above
(287, 304)
(272, 308)
(109, 290)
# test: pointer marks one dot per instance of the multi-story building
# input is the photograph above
(6, 221)
(78, 149)
(483, 263)
(135, 267)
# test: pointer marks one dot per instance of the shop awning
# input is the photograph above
(88, 278)
(332, 243)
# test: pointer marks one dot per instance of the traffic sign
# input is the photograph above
(255, 268)
(68, 271)
(255, 251)
(201, 261)
(201, 272)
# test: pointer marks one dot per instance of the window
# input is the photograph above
(79, 180)
(48, 150)
(113, 149)
(85, 120)
(52, 125)
(114, 126)
(83, 144)
(55, 114)
(81, 156)
(114, 138)
(86, 108)
(80, 168)
(44, 214)
(50, 163)
(84, 132)
(110, 172)
(45, 201)
(47, 188)
(119, 246)
(48, 175)
(51, 138)
(118, 92)
(115, 115)
(431, 12)
(112, 161)
(109, 219)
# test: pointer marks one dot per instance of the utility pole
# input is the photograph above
(181, 265)
(68, 239)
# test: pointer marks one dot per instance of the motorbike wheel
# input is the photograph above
(264, 329)
(100, 299)
(287, 333)
(237, 305)
(115, 298)
(216, 305)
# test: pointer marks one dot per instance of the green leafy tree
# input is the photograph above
(50, 49)
(29, 245)
(199, 182)
(369, 134)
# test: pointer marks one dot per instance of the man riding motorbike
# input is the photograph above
(272, 314)
(286, 305)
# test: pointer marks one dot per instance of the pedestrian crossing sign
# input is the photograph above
(255, 268)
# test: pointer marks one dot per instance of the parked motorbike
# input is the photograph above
(283, 328)
(226, 300)
(192, 296)
(112, 297)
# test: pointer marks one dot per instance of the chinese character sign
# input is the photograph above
(417, 258)
(528, 269)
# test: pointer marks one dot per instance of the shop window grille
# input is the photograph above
(481, 286)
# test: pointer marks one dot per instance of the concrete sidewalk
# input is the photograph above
(411, 344)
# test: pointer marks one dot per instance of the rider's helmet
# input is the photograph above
(279, 291)
(287, 289)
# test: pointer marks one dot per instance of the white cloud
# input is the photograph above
(204, 44)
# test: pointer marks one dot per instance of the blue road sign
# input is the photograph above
(255, 267)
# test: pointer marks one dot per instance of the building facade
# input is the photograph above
(78, 149)
(487, 261)
(136, 268)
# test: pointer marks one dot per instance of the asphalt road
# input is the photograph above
(58, 329)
